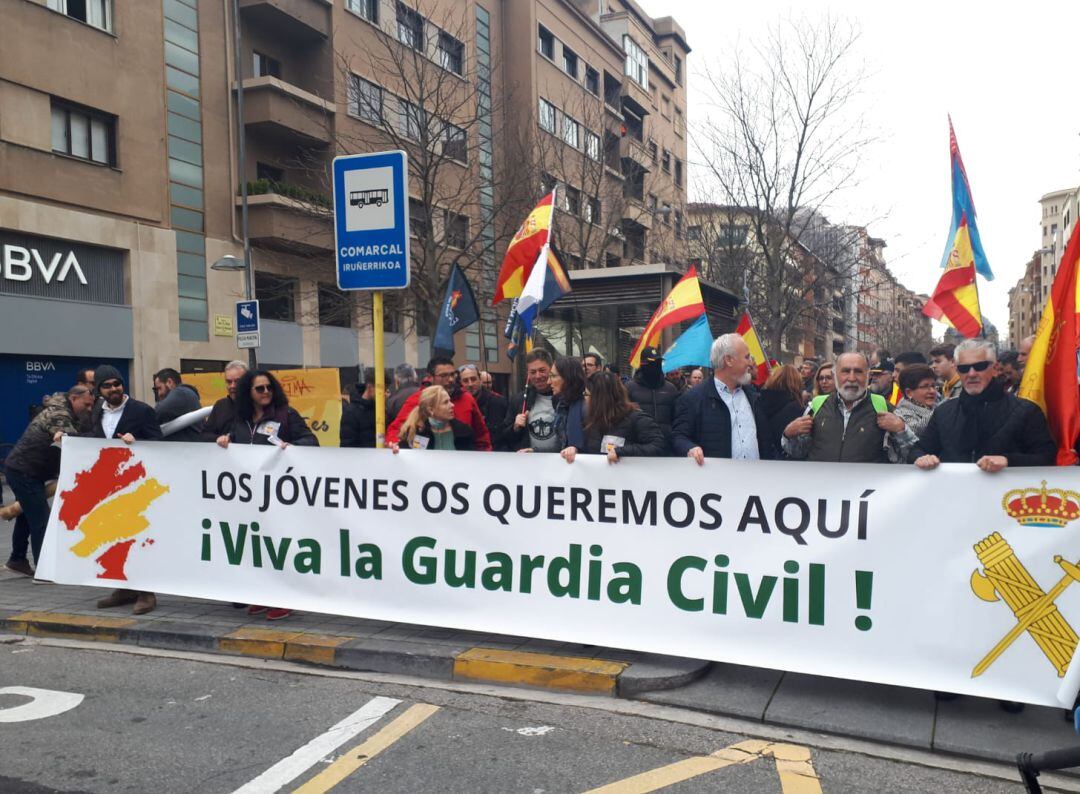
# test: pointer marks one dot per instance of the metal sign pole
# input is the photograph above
(380, 369)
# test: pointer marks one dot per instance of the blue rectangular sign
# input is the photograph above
(371, 220)
(247, 317)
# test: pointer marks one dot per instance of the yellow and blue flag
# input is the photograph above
(963, 212)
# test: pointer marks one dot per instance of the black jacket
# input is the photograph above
(659, 403)
(992, 423)
(292, 429)
(463, 436)
(138, 419)
(34, 454)
(702, 420)
(358, 423)
(493, 407)
(780, 408)
(510, 439)
(397, 401)
(220, 421)
(642, 436)
(182, 400)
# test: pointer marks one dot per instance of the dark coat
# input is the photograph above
(34, 454)
(182, 400)
(138, 419)
(493, 407)
(642, 436)
(463, 436)
(702, 420)
(780, 408)
(358, 424)
(293, 429)
(991, 423)
(659, 403)
(397, 401)
(220, 421)
(511, 439)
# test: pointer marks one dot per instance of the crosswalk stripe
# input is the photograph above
(288, 769)
(355, 758)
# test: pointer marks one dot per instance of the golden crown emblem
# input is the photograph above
(1042, 507)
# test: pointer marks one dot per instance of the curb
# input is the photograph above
(613, 674)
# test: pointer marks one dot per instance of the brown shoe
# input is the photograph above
(144, 603)
(117, 598)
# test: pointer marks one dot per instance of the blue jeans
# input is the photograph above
(30, 526)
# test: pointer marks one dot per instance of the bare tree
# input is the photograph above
(782, 139)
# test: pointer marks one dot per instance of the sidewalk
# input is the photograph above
(896, 715)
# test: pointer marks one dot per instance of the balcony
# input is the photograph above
(636, 152)
(283, 223)
(286, 113)
(304, 19)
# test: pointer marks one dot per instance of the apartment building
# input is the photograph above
(1024, 296)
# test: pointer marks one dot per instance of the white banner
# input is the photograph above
(952, 580)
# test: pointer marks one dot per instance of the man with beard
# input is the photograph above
(721, 418)
(32, 462)
(985, 426)
(492, 406)
(443, 373)
(654, 394)
(223, 414)
(120, 416)
(850, 425)
(175, 399)
(533, 426)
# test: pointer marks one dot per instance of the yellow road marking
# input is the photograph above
(797, 775)
(368, 749)
(538, 669)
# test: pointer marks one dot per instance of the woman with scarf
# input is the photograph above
(432, 425)
(918, 384)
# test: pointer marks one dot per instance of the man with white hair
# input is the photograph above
(986, 426)
(223, 414)
(719, 418)
(849, 425)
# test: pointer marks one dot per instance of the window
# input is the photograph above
(275, 176)
(97, 13)
(366, 101)
(571, 200)
(653, 151)
(612, 89)
(454, 143)
(678, 173)
(451, 53)
(633, 125)
(570, 131)
(678, 70)
(570, 62)
(665, 161)
(419, 225)
(680, 123)
(457, 230)
(693, 232)
(335, 308)
(547, 116)
(547, 183)
(592, 145)
(731, 234)
(665, 107)
(546, 43)
(276, 296)
(665, 213)
(367, 9)
(83, 133)
(592, 210)
(411, 118)
(592, 81)
(678, 225)
(637, 62)
(652, 204)
(410, 27)
(265, 66)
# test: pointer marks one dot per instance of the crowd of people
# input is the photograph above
(957, 406)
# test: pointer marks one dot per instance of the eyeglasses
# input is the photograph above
(978, 366)
(262, 388)
(112, 384)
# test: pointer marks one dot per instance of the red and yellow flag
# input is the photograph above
(1050, 375)
(524, 250)
(684, 302)
(956, 298)
(746, 330)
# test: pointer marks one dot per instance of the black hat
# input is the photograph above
(106, 372)
(650, 355)
(885, 366)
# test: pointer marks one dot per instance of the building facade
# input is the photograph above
(120, 179)
(1024, 297)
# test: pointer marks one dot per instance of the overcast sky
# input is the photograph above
(1004, 75)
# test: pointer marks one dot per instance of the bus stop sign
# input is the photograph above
(371, 221)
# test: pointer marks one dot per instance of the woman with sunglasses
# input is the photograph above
(263, 416)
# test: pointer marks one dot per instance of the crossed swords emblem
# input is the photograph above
(1004, 578)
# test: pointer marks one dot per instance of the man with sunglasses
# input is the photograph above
(986, 425)
(223, 414)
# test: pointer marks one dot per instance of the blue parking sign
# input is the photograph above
(371, 221)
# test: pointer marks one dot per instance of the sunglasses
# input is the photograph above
(262, 388)
(978, 366)
(112, 384)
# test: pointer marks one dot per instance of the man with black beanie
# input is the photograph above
(652, 392)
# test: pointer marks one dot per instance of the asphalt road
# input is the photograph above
(154, 723)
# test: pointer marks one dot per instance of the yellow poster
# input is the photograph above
(314, 393)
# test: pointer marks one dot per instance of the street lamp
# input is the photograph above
(232, 264)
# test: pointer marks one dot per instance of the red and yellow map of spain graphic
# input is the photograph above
(106, 504)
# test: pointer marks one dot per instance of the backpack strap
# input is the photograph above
(817, 402)
(881, 405)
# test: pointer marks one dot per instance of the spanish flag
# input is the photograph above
(746, 330)
(524, 250)
(1050, 375)
(684, 302)
(956, 298)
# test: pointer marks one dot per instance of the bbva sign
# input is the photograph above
(19, 264)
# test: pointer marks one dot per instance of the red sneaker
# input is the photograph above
(255, 609)
(277, 613)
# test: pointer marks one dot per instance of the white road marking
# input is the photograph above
(288, 769)
(45, 703)
(537, 731)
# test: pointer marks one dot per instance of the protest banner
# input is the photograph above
(314, 393)
(952, 580)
